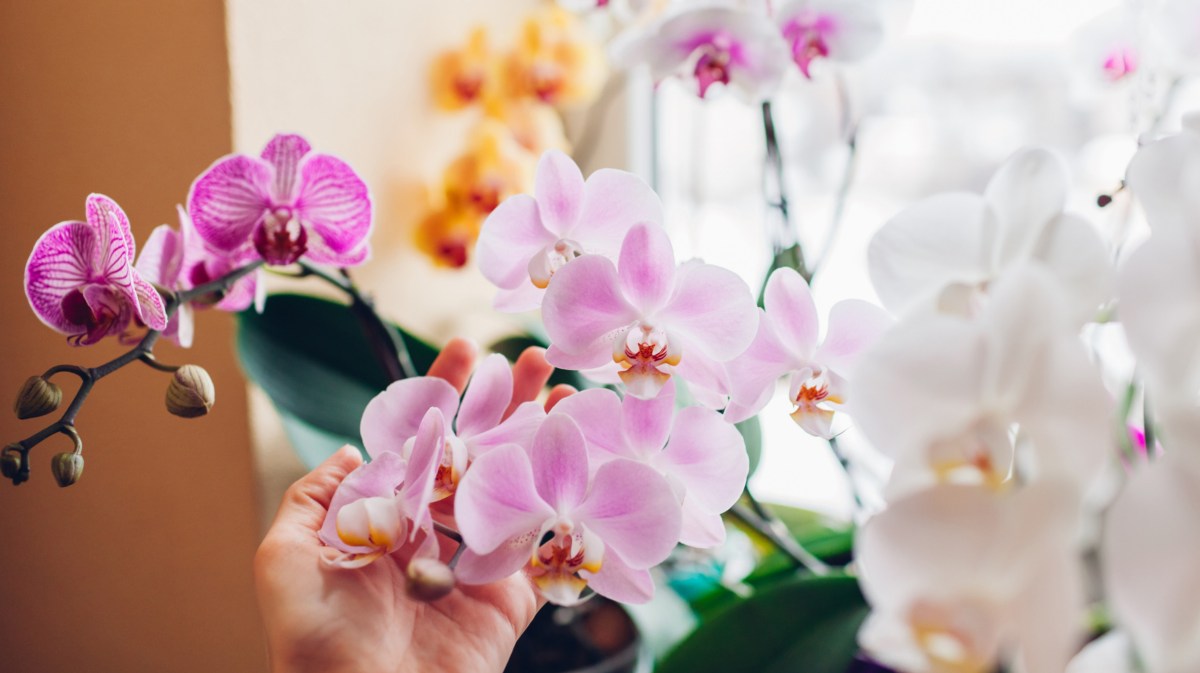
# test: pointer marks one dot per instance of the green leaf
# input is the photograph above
(791, 257)
(804, 625)
(311, 358)
(313, 445)
(751, 430)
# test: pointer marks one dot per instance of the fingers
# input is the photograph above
(455, 362)
(557, 394)
(306, 501)
(530, 374)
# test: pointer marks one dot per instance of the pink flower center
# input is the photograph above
(552, 258)
(712, 67)
(807, 36)
(111, 313)
(555, 564)
(280, 238)
(1121, 62)
(642, 351)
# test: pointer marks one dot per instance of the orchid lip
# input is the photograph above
(280, 238)
(555, 565)
(550, 259)
(642, 350)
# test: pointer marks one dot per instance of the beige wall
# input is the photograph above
(145, 564)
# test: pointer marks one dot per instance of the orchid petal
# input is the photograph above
(632, 508)
(522, 298)
(613, 201)
(284, 153)
(162, 256)
(560, 463)
(558, 188)
(618, 581)
(1026, 192)
(752, 374)
(596, 412)
(376, 479)
(708, 457)
(394, 415)
(701, 528)
(497, 502)
(854, 326)
(511, 235)
(647, 422)
(1073, 250)
(228, 200)
(113, 226)
(1163, 176)
(712, 308)
(150, 306)
(582, 308)
(519, 428)
(182, 327)
(335, 202)
(486, 398)
(932, 244)
(427, 452)
(791, 312)
(62, 260)
(508, 558)
(647, 267)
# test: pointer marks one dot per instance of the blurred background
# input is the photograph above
(146, 563)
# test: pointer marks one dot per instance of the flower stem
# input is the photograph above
(849, 131)
(143, 351)
(766, 524)
(845, 463)
(775, 189)
(387, 345)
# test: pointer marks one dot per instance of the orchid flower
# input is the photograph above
(460, 77)
(1160, 282)
(178, 260)
(941, 394)
(80, 278)
(391, 420)
(1110, 653)
(544, 509)
(383, 505)
(493, 168)
(1151, 553)
(946, 251)
(837, 30)
(701, 456)
(1108, 46)
(786, 343)
(648, 317)
(556, 61)
(735, 47)
(286, 204)
(530, 237)
(960, 578)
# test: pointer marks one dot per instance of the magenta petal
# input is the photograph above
(423, 462)
(502, 562)
(583, 306)
(334, 201)
(587, 360)
(618, 581)
(613, 201)
(115, 263)
(854, 326)
(228, 200)
(633, 510)
(320, 253)
(511, 235)
(161, 259)
(150, 306)
(496, 501)
(647, 267)
(648, 422)
(560, 463)
(791, 311)
(713, 308)
(519, 429)
(62, 260)
(394, 415)
(708, 456)
(284, 153)
(558, 188)
(486, 398)
(597, 411)
(378, 478)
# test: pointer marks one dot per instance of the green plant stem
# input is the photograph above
(759, 518)
(845, 463)
(387, 345)
(777, 197)
(143, 351)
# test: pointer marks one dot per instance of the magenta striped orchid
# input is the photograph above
(545, 510)
(287, 203)
(80, 278)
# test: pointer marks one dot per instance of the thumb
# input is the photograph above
(306, 501)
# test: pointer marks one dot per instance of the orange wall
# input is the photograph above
(145, 564)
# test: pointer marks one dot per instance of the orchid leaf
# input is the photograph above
(312, 359)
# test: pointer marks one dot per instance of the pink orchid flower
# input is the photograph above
(528, 238)
(383, 505)
(80, 278)
(178, 260)
(836, 30)
(544, 510)
(650, 318)
(391, 420)
(702, 457)
(288, 204)
(735, 47)
(786, 343)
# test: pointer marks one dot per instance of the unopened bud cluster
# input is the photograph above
(191, 393)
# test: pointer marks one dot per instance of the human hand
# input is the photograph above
(324, 619)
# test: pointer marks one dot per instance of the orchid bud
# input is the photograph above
(38, 397)
(67, 468)
(191, 393)
(429, 579)
(10, 461)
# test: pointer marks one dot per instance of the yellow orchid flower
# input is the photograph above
(493, 168)
(555, 61)
(461, 77)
